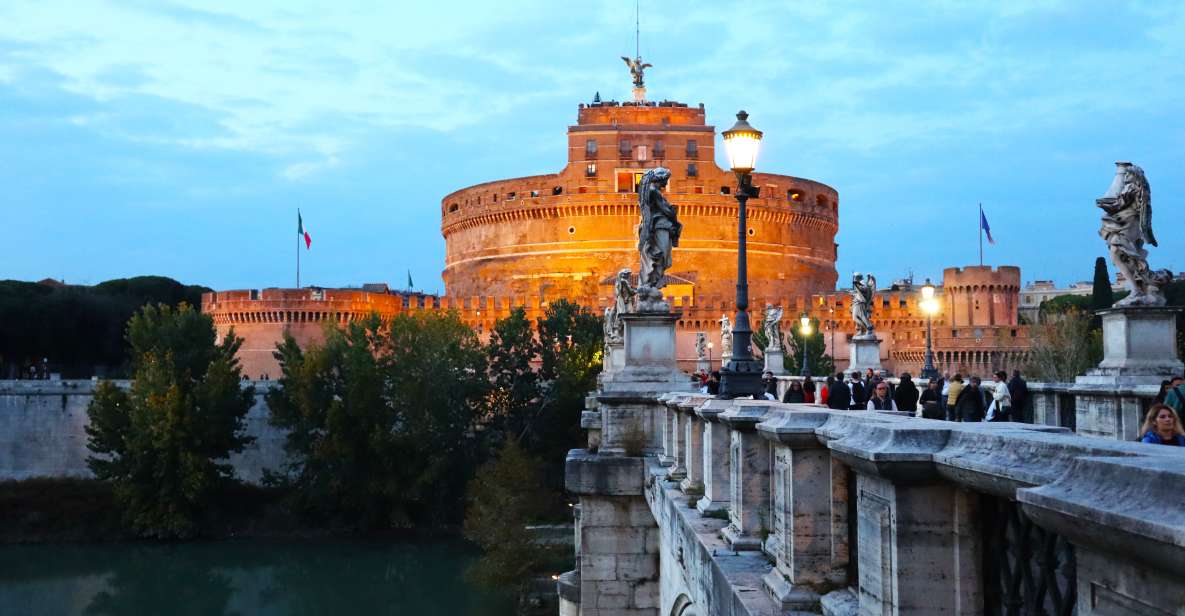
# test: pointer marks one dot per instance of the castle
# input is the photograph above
(531, 240)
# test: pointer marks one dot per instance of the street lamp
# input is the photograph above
(805, 327)
(742, 375)
(710, 345)
(929, 305)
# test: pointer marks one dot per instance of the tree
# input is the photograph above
(380, 418)
(504, 497)
(164, 443)
(571, 340)
(819, 362)
(1101, 296)
(515, 394)
(1064, 346)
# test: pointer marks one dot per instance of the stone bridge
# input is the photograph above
(745, 507)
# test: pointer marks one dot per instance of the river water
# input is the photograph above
(244, 577)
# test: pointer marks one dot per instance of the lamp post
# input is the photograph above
(710, 345)
(929, 305)
(742, 375)
(805, 327)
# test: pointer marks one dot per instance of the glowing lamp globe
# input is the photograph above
(742, 143)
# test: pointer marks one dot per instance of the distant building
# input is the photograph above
(1038, 291)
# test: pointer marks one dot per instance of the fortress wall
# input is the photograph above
(43, 432)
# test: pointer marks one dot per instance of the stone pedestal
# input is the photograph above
(748, 513)
(864, 353)
(810, 555)
(616, 358)
(703, 365)
(628, 397)
(717, 465)
(775, 361)
(1139, 347)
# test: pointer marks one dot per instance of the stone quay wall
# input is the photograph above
(765, 508)
(43, 431)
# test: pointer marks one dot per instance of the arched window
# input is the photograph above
(794, 195)
(821, 200)
(452, 208)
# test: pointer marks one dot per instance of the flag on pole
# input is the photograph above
(300, 230)
(983, 224)
(410, 285)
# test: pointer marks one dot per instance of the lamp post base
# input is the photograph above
(741, 378)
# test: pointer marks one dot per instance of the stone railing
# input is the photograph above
(755, 507)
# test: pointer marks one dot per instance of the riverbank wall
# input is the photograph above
(43, 431)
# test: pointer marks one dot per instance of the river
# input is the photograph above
(244, 578)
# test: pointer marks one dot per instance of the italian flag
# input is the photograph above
(301, 232)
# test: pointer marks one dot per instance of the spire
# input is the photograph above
(597, 97)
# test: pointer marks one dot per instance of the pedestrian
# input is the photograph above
(1162, 426)
(1175, 397)
(794, 393)
(714, 383)
(1162, 392)
(808, 390)
(880, 399)
(839, 397)
(969, 403)
(825, 391)
(859, 395)
(906, 395)
(952, 396)
(1000, 405)
(1019, 390)
(931, 407)
(769, 385)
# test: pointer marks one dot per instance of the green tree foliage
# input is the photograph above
(380, 418)
(164, 443)
(1065, 303)
(79, 329)
(515, 397)
(571, 340)
(818, 360)
(504, 497)
(1101, 295)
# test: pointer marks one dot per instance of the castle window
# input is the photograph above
(692, 170)
(534, 193)
(821, 200)
(510, 196)
(954, 333)
(452, 208)
(699, 190)
(623, 148)
(794, 195)
(590, 170)
(724, 190)
(660, 150)
(643, 153)
(557, 190)
(1014, 333)
(571, 230)
(590, 148)
(751, 232)
(692, 149)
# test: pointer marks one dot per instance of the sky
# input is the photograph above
(179, 138)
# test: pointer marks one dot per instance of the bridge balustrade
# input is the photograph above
(867, 512)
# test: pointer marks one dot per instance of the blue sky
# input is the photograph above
(178, 138)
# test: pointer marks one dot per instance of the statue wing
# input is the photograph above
(871, 286)
(1146, 218)
(646, 65)
(628, 62)
(776, 314)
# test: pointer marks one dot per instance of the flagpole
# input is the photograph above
(980, 225)
(298, 252)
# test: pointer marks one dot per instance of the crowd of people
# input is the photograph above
(954, 398)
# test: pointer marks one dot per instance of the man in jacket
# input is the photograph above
(1175, 397)
(1018, 390)
(839, 397)
(969, 404)
(859, 397)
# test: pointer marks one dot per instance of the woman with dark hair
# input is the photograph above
(1164, 391)
(794, 393)
(808, 390)
(825, 391)
(906, 395)
(1162, 427)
